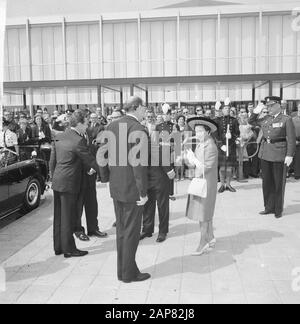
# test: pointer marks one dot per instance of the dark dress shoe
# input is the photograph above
(82, 237)
(231, 189)
(161, 238)
(58, 253)
(140, 277)
(266, 212)
(297, 178)
(98, 234)
(76, 254)
(278, 216)
(144, 235)
(172, 198)
(222, 189)
(114, 224)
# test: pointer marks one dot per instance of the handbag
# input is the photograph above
(198, 186)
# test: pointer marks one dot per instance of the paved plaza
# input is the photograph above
(253, 262)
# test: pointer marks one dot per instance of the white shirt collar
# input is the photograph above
(130, 115)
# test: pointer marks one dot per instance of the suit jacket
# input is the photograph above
(281, 127)
(128, 182)
(68, 157)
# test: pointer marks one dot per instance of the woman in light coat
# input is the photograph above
(205, 160)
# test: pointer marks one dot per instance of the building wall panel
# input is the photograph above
(157, 48)
(170, 48)
(94, 55)
(184, 41)
(83, 51)
(209, 46)
(275, 44)
(196, 47)
(108, 50)
(146, 49)
(72, 52)
(132, 50)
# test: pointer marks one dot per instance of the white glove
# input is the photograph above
(91, 172)
(288, 160)
(143, 201)
(224, 148)
(191, 157)
(171, 175)
(259, 108)
(228, 136)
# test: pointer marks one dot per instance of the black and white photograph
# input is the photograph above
(150, 154)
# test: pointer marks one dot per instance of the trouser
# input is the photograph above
(226, 174)
(274, 181)
(64, 213)
(157, 195)
(87, 199)
(255, 166)
(297, 162)
(129, 221)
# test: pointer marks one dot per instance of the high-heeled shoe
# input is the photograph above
(212, 243)
(203, 251)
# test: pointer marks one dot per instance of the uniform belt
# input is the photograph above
(276, 140)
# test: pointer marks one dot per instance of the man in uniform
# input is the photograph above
(228, 132)
(167, 127)
(276, 153)
(296, 121)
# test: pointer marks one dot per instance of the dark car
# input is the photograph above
(21, 183)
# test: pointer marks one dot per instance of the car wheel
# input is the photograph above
(32, 195)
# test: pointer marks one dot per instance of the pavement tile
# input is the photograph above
(255, 259)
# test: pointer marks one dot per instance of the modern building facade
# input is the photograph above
(196, 54)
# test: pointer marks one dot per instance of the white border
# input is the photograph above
(2, 37)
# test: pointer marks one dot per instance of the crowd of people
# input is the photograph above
(226, 143)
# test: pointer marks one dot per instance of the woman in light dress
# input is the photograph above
(204, 158)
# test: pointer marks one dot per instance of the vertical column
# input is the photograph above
(147, 97)
(253, 93)
(178, 44)
(99, 96)
(131, 90)
(66, 98)
(28, 39)
(24, 99)
(64, 48)
(270, 88)
(65, 64)
(121, 98)
(139, 45)
(281, 91)
(260, 42)
(101, 70)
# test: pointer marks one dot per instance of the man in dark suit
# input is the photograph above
(87, 198)
(159, 176)
(69, 154)
(128, 184)
(276, 153)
